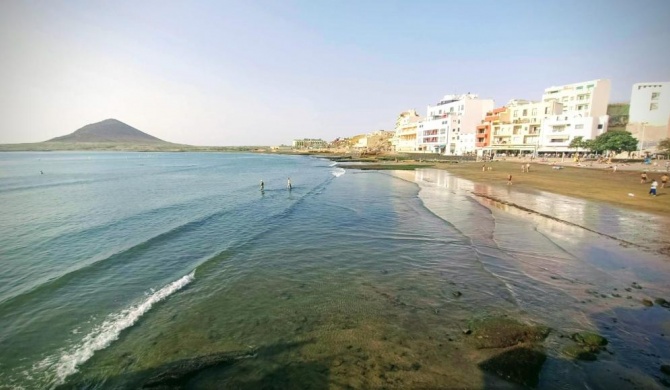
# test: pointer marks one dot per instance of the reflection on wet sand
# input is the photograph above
(571, 264)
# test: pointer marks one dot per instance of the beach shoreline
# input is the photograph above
(588, 180)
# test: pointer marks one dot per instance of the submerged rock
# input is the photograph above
(647, 302)
(501, 332)
(662, 302)
(179, 373)
(665, 368)
(519, 365)
(579, 352)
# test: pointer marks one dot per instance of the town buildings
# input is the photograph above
(450, 125)
(309, 143)
(466, 124)
(405, 131)
(516, 127)
(584, 114)
(649, 115)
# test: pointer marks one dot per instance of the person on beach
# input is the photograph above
(652, 190)
(664, 180)
(523, 168)
(288, 184)
(484, 168)
(643, 178)
(614, 168)
(527, 167)
(509, 180)
(262, 185)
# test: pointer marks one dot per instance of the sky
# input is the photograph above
(267, 72)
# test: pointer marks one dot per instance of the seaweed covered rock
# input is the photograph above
(502, 332)
(589, 339)
(588, 346)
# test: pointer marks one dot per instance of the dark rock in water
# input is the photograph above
(647, 302)
(519, 365)
(179, 373)
(637, 286)
(662, 302)
(579, 352)
(501, 332)
(665, 369)
(456, 294)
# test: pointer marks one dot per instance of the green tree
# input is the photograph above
(577, 142)
(664, 146)
(616, 141)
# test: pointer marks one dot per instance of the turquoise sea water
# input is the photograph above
(117, 267)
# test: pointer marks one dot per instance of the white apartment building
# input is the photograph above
(584, 114)
(517, 128)
(649, 115)
(450, 125)
(405, 131)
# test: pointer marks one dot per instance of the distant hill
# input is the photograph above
(109, 131)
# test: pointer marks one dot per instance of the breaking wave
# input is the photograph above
(104, 334)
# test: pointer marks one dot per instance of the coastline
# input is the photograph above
(594, 183)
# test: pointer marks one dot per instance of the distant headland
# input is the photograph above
(114, 135)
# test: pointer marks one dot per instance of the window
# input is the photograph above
(655, 95)
(653, 106)
(546, 110)
(600, 126)
(580, 87)
(516, 113)
(525, 113)
(534, 112)
(459, 121)
(578, 127)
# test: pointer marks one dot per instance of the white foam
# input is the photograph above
(104, 334)
(333, 164)
(338, 172)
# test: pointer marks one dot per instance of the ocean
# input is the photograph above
(174, 270)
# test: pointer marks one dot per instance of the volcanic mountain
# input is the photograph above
(109, 131)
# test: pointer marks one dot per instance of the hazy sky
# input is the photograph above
(264, 73)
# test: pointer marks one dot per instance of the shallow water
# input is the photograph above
(346, 281)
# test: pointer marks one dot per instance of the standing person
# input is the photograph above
(523, 167)
(527, 167)
(664, 180)
(652, 190)
(643, 177)
(509, 179)
(288, 184)
(262, 185)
